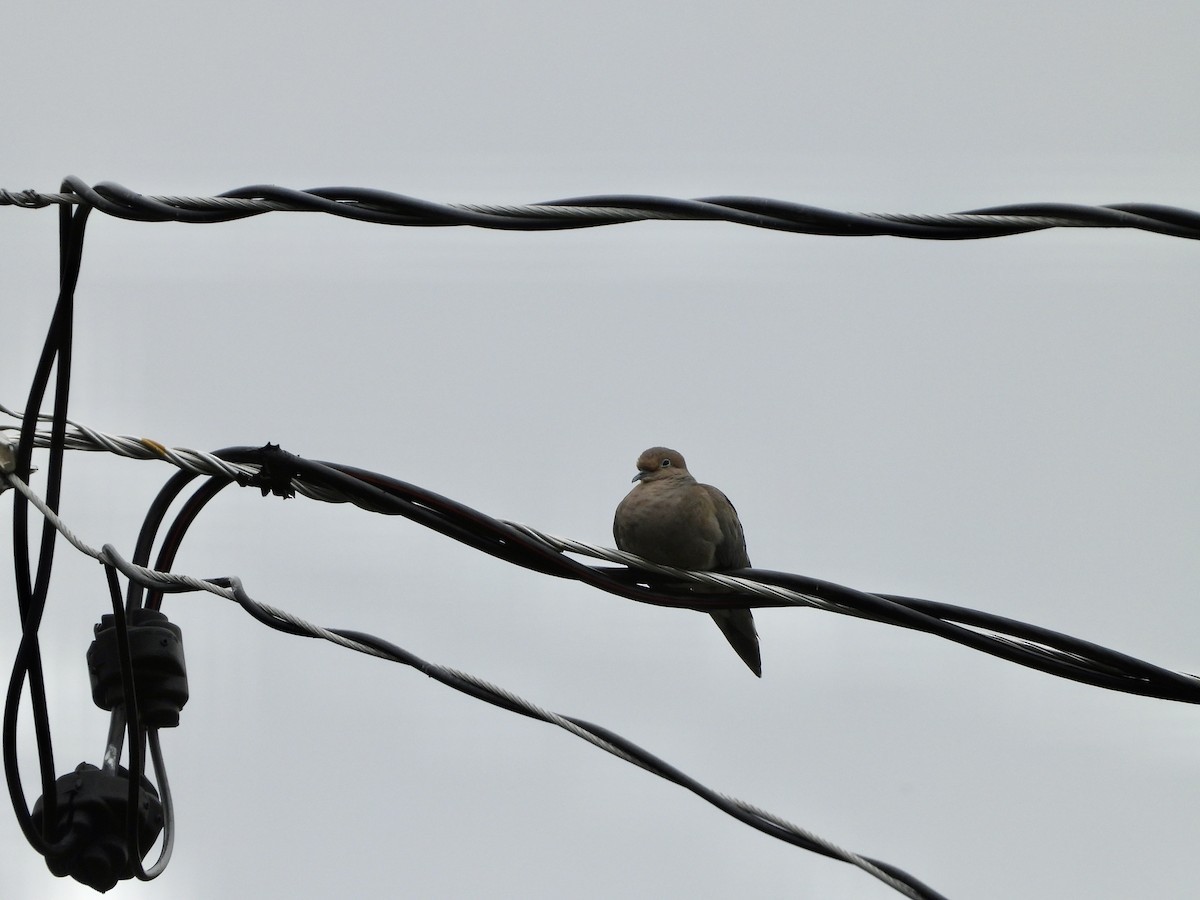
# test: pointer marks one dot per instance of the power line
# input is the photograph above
(272, 470)
(55, 832)
(387, 208)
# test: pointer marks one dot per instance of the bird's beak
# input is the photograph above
(640, 475)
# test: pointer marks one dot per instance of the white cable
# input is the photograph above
(729, 582)
(108, 555)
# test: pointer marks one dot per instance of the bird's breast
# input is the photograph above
(669, 527)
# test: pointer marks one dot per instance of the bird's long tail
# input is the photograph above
(738, 627)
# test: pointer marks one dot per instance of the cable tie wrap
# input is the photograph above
(278, 470)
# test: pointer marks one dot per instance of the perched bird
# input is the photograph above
(671, 519)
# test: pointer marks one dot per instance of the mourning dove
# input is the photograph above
(671, 519)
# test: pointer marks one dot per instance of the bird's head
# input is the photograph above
(660, 462)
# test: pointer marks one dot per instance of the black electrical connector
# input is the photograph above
(88, 839)
(90, 831)
(160, 676)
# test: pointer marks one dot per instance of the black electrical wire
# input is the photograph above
(388, 208)
(136, 736)
(1022, 643)
(32, 591)
(132, 722)
(150, 525)
(137, 588)
(175, 534)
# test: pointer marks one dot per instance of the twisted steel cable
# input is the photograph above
(384, 207)
(274, 471)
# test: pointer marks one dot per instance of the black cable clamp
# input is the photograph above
(89, 838)
(278, 470)
(160, 676)
(89, 841)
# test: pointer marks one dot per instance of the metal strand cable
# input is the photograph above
(384, 207)
(231, 588)
(522, 545)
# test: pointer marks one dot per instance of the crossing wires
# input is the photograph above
(273, 471)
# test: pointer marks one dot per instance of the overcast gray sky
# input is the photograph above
(1009, 425)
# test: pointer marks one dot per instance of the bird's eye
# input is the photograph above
(665, 464)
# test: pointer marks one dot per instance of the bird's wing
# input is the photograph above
(731, 551)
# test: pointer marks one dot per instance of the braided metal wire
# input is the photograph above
(273, 470)
(384, 207)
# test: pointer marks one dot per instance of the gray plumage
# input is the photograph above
(671, 519)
